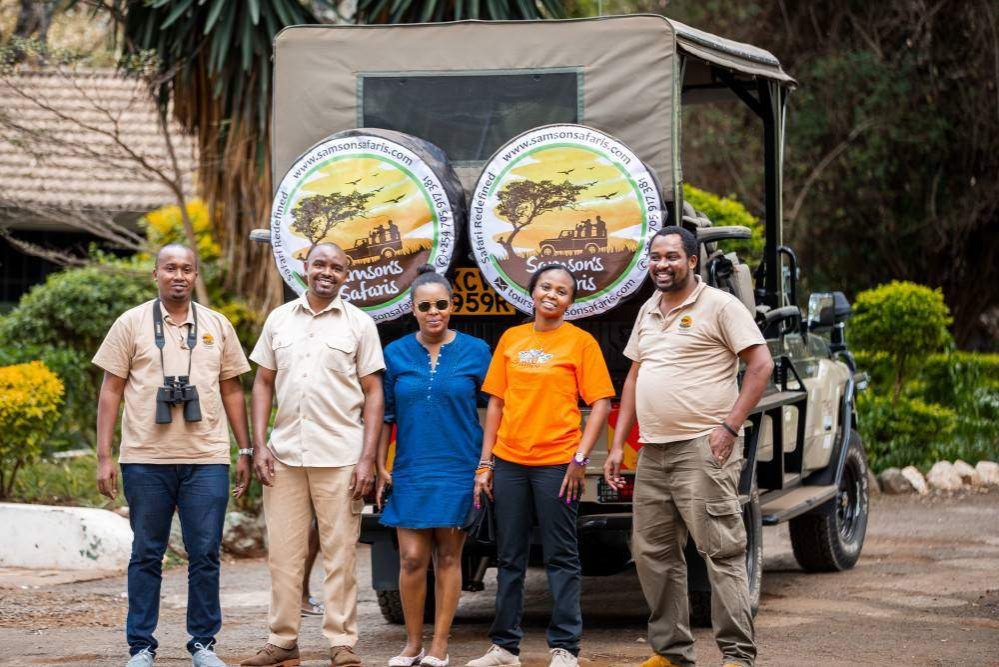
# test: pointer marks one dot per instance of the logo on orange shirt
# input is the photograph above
(534, 357)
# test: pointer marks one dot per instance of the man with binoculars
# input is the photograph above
(177, 366)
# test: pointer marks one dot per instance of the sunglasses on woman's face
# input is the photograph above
(439, 304)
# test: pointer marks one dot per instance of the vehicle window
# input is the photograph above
(469, 115)
(818, 347)
(801, 355)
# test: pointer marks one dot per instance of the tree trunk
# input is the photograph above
(34, 18)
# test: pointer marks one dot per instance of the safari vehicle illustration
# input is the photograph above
(382, 241)
(482, 85)
(588, 237)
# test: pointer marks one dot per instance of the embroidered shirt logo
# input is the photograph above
(534, 357)
(208, 339)
(686, 322)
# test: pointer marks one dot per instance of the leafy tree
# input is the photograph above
(892, 152)
(521, 202)
(215, 67)
(723, 211)
(316, 216)
(905, 320)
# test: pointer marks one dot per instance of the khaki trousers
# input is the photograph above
(288, 508)
(679, 490)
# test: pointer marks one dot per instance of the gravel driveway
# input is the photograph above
(925, 592)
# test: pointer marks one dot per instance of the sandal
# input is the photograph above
(312, 608)
(431, 661)
(407, 660)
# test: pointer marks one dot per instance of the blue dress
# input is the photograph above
(438, 436)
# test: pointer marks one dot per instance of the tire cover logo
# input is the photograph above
(570, 195)
(378, 201)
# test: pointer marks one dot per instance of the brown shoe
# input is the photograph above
(344, 656)
(273, 656)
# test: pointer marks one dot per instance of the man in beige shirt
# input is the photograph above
(174, 453)
(322, 358)
(685, 350)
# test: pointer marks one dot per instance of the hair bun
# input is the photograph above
(426, 268)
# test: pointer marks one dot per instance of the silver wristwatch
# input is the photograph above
(246, 452)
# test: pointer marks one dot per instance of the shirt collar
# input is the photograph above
(303, 302)
(691, 298)
(188, 320)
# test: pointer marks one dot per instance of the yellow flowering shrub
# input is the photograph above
(30, 399)
(165, 225)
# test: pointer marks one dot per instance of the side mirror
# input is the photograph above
(827, 310)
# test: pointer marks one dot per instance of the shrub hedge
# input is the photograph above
(30, 398)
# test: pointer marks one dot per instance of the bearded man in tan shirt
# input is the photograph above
(322, 358)
(685, 349)
(173, 456)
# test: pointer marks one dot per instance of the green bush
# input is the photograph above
(904, 320)
(968, 383)
(723, 211)
(65, 481)
(30, 397)
(904, 432)
(75, 307)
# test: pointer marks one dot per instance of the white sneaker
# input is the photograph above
(141, 659)
(562, 658)
(496, 656)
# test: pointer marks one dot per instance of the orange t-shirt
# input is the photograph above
(541, 375)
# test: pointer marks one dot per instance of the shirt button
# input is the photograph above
(305, 375)
(312, 335)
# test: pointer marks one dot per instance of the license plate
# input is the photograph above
(474, 296)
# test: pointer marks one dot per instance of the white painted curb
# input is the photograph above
(70, 538)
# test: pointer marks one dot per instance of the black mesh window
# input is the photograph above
(469, 115)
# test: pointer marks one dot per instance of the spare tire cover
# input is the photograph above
(390, 200)
(571, 195)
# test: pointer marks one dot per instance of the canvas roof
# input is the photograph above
(629, 65)
(55, 149)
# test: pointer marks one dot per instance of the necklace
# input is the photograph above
(535, 355)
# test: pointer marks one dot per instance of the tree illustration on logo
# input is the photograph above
(316, 216)
(522, 202)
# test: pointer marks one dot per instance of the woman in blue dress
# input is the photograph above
(432, 381)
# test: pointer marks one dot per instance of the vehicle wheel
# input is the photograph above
(591, 248)
(547, 251)
(700, 601)
(830, 537)
(388, 253)
(390, 604)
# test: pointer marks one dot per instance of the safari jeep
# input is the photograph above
(492, 148)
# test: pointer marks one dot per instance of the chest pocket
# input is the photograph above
(338, 355)
(281, 346)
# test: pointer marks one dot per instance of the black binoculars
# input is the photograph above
(176, 390)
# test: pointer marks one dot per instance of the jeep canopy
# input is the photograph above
(469, 86)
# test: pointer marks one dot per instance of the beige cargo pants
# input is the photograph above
(288, 508)
(679, 490)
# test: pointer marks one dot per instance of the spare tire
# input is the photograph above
(390, 200)
(570, 195)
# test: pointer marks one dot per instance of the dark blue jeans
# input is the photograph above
(200, 493)
(521, 494)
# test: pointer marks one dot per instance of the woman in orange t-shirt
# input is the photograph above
(534, 460)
